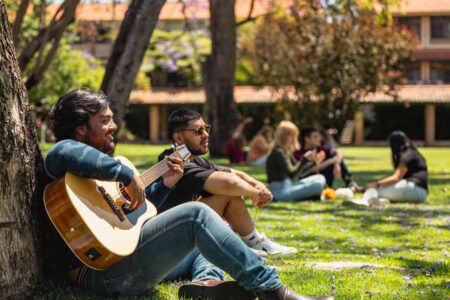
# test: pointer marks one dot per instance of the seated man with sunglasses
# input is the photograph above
(222, 188)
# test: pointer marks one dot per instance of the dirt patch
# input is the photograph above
(339, 265)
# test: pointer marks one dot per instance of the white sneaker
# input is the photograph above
(260, 253)
(272, 248)
(379, 203)
(357, 202)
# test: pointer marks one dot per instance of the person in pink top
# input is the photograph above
(260, 147)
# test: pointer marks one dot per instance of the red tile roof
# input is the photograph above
(414, 94)
(251, 94)
(171, 11)
(422, 7)
(242, 94)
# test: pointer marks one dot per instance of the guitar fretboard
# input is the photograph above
(156, 171)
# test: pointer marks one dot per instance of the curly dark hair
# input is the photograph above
(73, 110)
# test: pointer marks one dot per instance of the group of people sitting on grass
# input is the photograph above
(300, 164)
(203, 228)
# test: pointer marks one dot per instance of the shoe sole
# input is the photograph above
(227, 290)
(355, 204)
(284, 254)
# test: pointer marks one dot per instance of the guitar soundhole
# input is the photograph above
(123, 192)
(125, 195)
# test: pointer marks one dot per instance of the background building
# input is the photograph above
(422, 108)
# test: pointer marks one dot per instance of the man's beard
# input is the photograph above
(197, 152)
(110, 150)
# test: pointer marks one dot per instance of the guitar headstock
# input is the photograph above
(182, 150)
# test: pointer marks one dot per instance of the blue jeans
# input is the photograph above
(328, 172)
(195, 267)
(167, 239)
(289, 190)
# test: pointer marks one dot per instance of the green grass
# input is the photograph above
(414, 236)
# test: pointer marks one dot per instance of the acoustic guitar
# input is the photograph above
(90, 217)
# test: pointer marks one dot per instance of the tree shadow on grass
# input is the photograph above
(52, 289)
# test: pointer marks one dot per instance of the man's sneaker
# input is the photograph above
(214, 289)
(272, 248)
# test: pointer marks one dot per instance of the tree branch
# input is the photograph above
(62, 18)
(249, 17)
(17, 26)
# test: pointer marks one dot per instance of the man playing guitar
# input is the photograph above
(83, 125)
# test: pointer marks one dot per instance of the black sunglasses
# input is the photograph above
(199, 130)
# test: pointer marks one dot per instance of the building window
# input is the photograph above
(413, 24)
(412, 70)
(440, 72)
(440, 27)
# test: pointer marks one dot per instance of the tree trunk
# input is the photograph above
(19, 154)
(128, 53)
(218, 75)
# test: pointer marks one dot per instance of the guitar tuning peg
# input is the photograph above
(174, 146)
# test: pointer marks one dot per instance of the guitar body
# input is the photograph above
(91, 229)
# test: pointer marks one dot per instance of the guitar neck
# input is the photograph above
(156, 171)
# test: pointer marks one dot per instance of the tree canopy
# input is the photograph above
(332, 54)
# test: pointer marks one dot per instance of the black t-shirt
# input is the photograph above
(417, 167)
(190, 186)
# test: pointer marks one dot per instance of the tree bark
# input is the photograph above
(128, 53)
(218, 75)
(19, 155)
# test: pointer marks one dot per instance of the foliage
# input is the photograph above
(245, 72)
(327, 58)
(178, 53)
(69, 70)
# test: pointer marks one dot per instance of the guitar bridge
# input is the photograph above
(109, 200)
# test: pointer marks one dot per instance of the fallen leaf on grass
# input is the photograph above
(408, 277)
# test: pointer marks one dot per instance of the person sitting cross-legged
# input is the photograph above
(287, 177)
(186, 235)
(221, 188)
(332, 166)
(409, 182)
(260, 147)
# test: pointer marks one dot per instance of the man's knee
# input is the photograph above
(223, 204)
(197, 208)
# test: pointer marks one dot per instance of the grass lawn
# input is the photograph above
(415, 237)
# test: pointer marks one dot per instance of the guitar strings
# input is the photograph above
(151, 174)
